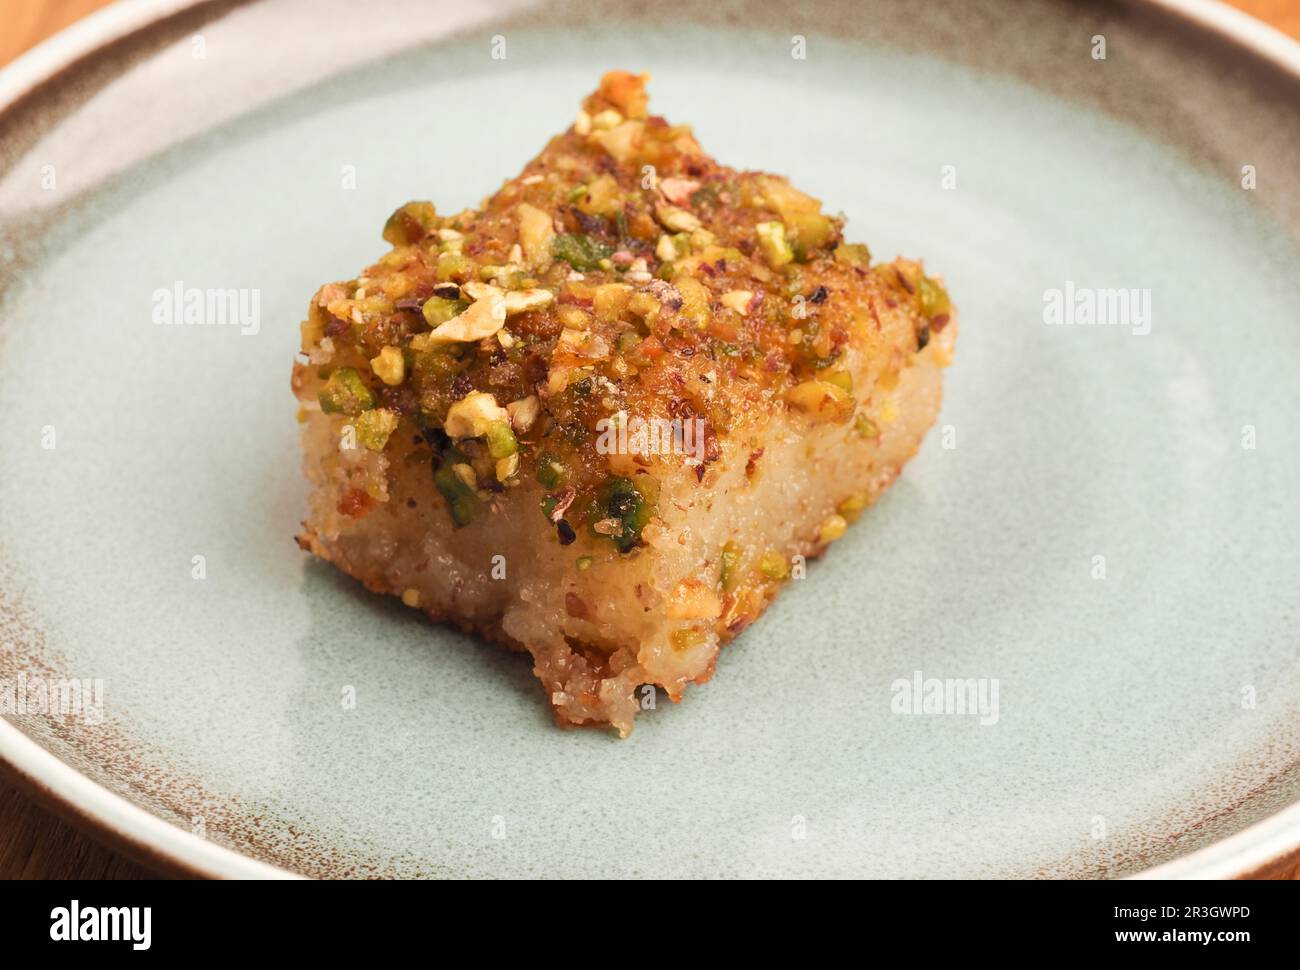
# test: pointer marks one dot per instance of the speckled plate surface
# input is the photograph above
(1102, 529)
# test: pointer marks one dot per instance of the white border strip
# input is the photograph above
(1243, 852)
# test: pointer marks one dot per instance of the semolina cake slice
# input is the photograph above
(605, 416)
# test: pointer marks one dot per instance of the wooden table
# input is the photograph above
(36, 844)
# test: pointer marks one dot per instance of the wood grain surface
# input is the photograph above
(34, 842)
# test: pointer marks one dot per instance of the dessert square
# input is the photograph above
(605, 416)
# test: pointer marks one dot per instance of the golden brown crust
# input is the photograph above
(661, 284)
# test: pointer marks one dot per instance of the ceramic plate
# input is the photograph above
(1099, 534)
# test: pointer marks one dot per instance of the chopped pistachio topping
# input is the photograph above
(738, 300)
(484, 318)
(472, 415)
(438, 310)
(772, 241)
(456, 481)
(624, 272)
(840, 378)
(345, 393)
(506, 467)
(500, 439)
(821, 399)
(454, 266)
(693, 600)
(619, 499)
(410, 223)
(580, 250)
(832, 528)
(479, 290)
(374, 427)
(676, 218)
(536, 231)
(855, 254)
(389, 366)
(934, 298)
(773, 565)
(852, 506)
(520, 301)
(729, 566)
(552, 472)
(524, 412)
(687, 639)
(674, 247)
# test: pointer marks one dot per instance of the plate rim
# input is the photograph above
(135, 831)
(1262, 846)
